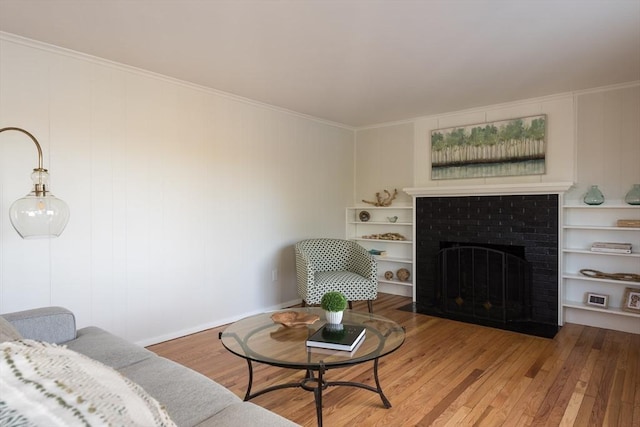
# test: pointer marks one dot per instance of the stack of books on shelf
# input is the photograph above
(611, 247)
(377, 252)
(337, 337)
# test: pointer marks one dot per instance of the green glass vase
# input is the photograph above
(633, 196)
(594, 196)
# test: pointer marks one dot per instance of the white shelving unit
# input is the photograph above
(399, 252)
(583, 225)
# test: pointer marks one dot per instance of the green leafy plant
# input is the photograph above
(333, 301)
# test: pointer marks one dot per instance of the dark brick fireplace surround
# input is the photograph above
(529, 221)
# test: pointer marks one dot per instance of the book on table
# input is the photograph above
(337, 337)
(330, 352)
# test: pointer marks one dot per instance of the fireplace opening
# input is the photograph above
(484, 282)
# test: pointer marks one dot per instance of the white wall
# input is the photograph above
(183, 200)
(593, 137)
(384, 157)
(608, 134)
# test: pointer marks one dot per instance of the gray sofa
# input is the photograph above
(189, 398)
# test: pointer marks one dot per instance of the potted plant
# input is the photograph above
(333, 303)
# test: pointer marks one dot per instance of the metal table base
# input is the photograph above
(318, 384)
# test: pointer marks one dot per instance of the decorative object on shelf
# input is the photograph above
(383, 201)
(377, 252)
(597, 300)
(402, 274)
(386, 236)
(294, 319)
(632, 223)
(388, 275)
(595, 274)
(633, 196)
(364, 216)
(333, 303)
(392, 218)
(39, 213)
(631, 300)
(594, 196)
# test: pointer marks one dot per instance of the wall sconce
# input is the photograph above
(39, 213)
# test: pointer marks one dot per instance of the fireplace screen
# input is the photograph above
(484, 283)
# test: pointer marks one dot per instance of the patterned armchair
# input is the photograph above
(324, 265)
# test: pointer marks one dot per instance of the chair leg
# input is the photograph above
(370, 305)
(350, 305)
(304, 303)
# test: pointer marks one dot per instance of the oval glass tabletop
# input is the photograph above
(260, 339)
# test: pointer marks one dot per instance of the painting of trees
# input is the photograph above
(510, 141)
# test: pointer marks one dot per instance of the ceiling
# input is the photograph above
(354, 62)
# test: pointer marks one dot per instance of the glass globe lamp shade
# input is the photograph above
(39, 214)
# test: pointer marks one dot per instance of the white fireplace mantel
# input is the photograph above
(490, 190)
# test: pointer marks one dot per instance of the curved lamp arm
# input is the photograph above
(33, 138)
(39, 213)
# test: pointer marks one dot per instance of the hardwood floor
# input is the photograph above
(451, 373)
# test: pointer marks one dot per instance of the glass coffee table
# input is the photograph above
(259, 339)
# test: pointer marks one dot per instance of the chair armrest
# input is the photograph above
(304, 262)
(305, 272)
(364, 263)
(50, 324)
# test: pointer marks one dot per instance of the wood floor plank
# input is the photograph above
(553, 407)
(452, 374)
(575, 402)
(450, 397)
(604, 388)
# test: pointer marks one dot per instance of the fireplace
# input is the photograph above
(484, 282)
(509, 243)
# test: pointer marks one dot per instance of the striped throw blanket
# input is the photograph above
(48, 385)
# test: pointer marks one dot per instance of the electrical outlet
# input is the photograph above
(274, 275)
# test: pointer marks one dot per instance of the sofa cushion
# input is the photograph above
(107, 348)
(45, 384)
(48, 324)
(7, 331)
(188, 396)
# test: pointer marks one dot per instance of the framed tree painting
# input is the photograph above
(503, 148)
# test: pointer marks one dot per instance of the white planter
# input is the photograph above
(333, 317)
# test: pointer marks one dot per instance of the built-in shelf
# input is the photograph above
(393, 259)
(617, 204)
(395, 282)
(595, 227)
(399, 252)
(584, 225)
(362, 239)
(596, 279)
(381, 223)
(589, 252)
(617, 311)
